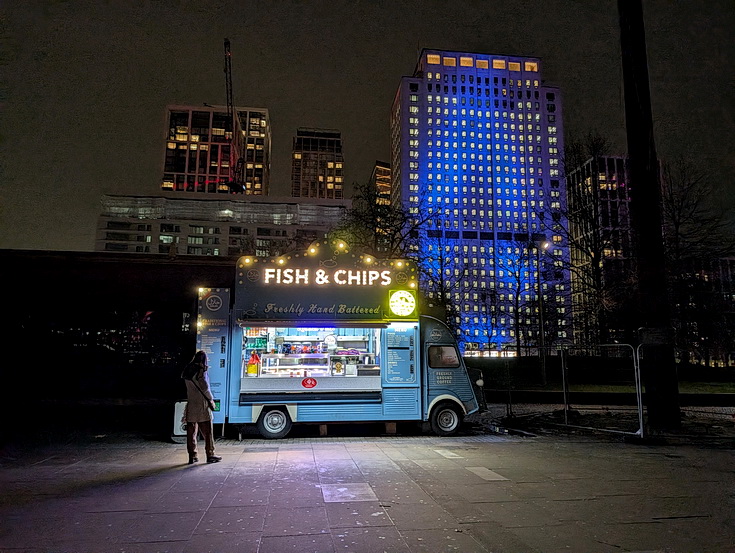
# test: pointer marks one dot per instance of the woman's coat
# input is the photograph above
(197, 407)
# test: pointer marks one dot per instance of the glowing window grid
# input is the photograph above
(480, 139)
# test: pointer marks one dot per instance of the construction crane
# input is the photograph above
(237, 164)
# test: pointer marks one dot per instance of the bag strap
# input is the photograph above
(200, 391)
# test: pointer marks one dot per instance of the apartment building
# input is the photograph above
(203, 153)
(213, 227)
(317, 164)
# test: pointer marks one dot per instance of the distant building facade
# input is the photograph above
(601, 247)
(201, 152)
(317, 164)
(380, 181)
(604, 281)
(213, 227)
(703, 306)
(476, 145)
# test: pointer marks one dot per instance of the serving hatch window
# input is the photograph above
(443, 357)
(316, 352)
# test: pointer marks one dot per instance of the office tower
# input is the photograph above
(317, 164)
(476, 144)
(601, 250)
(203, 154)
(381, 182)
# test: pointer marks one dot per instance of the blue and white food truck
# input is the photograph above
(329, 336)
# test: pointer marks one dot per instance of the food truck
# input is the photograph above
(328, 336)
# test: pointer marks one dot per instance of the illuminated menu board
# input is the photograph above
(213, 322)
(400, 352)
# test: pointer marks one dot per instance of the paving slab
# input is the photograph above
(357, 514)
(398, 494)
(351, 492)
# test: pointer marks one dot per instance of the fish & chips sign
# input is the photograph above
(324, 277)
(310, 288)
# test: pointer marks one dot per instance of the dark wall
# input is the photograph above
(82, 325)
(75, 278)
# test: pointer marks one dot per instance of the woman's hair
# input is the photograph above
(200, 358)
(192, 369)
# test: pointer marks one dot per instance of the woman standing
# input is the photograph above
(199, 407)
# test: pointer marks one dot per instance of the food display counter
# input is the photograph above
(297, 353)
(294, 365)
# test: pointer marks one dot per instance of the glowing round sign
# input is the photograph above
(402, 303)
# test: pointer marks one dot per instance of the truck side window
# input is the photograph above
(443, 357)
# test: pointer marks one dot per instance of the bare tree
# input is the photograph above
(595, 226)
(693, 226)
(243, 245)
(696, 238)
(579, 149)
(490, 305)
(381, 229)
(515, 271)
(442, 274)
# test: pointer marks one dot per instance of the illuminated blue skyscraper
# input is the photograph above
(477, 143)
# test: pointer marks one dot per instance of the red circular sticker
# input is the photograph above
(308, 382)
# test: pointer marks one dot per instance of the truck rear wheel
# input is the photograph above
(274, 423)
(446, 418)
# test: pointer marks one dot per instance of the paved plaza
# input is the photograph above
(397, 494)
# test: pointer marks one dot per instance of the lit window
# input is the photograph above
(465, 62)
(450, 62)
(498, 64)
(481, 64)
(531, 66)
(514, 66)
(433, 59)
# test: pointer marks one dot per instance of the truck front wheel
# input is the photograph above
(446, 418)
(274, 423)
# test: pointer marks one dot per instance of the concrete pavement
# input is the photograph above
(395, 494)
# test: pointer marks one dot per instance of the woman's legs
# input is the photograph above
(207, 429)
(191, 438)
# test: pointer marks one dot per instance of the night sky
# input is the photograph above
(85, 85)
